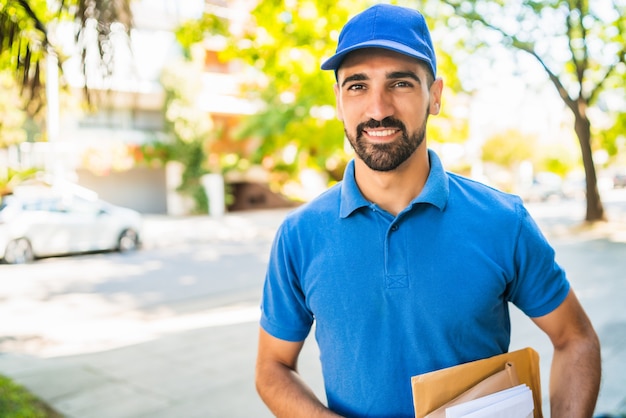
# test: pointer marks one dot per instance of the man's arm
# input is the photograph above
(278, 381)
(575, 373)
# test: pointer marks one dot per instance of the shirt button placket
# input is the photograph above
(395, 260)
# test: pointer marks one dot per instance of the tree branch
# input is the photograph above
(38, 24)
(523, 46)
(570, 102)
(621, 59)
(580, 63)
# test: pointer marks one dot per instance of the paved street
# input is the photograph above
(171, 331)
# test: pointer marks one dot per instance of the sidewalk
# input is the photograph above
(207, 370)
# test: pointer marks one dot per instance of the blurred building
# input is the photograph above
(99, 150)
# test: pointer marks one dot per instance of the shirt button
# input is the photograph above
(394, 228)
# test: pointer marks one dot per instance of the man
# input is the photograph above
(403, 267)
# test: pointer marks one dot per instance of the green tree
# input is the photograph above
(191, 128)
(26, 39)
(581, 46)
(284, 45)
(12, 131)
(12, 118)
(509, 148)
(25, 42)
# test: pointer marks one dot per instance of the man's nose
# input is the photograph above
(380, 105)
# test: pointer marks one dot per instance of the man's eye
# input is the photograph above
(356, 87)
(402, 84)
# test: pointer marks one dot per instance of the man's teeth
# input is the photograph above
(386, 132)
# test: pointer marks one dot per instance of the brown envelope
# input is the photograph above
(434, 389)
(502, 380)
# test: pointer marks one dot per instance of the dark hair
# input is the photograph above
(430, 78)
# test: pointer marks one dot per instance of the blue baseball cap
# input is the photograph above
(395, 28)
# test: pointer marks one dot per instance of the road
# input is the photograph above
(187, 269)
(196, 273)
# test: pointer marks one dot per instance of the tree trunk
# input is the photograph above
(582, 126)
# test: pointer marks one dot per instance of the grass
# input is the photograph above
(17, 402)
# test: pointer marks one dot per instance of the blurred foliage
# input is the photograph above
(191, 128)
(284, 45)
(194, 31)
(613, 138)
(452, 123)
(152, 154)
(26, 38)
(511, 148)
(556, 159)
(12, 118)
(10, 178)
(581, 46)
(23, 46)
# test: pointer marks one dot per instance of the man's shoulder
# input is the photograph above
(482, 191)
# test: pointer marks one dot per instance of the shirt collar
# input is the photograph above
(435, 191)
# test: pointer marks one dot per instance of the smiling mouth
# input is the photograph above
(381, 133)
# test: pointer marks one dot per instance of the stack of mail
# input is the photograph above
(516, 402)
(512, 378)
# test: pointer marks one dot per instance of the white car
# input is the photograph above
(48, 225)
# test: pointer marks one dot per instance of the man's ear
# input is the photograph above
(435, 96)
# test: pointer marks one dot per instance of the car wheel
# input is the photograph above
(19, 251)
(128, 241)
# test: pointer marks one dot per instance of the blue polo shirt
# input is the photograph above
(396, 296)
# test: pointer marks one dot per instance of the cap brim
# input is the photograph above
(335, 61)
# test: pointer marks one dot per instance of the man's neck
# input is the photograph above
(394, 190)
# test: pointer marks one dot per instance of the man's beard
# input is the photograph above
(388, 156)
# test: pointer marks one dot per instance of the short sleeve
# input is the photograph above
(284, 312)
(540, 284)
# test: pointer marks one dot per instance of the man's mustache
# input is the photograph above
(388, 122)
